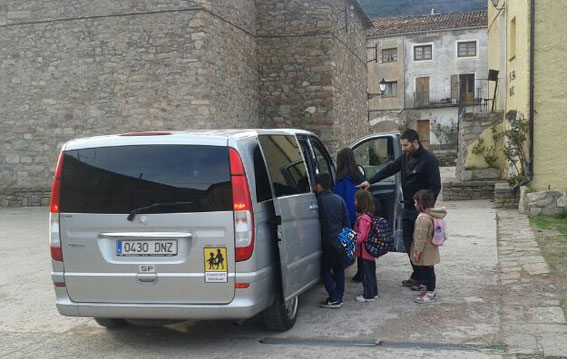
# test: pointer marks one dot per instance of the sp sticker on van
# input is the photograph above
(216, 265)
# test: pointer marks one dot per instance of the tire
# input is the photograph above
(110, 323)
(281, 316)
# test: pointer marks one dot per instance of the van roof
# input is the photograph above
(197, 137)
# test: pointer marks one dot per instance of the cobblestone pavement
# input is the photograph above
(531, 321)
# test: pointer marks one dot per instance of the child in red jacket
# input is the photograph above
(364, 203)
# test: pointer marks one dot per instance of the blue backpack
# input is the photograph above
(347, 241)
(380, 240)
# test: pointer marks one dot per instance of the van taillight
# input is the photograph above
(55, 189)
(54, 237)
(242, 206)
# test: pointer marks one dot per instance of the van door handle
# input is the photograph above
(314, 207)
(146, 278)
(147, 235)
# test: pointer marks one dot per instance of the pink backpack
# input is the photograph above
(439, 230)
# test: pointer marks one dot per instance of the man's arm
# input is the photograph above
(434, 177)
(390, 170)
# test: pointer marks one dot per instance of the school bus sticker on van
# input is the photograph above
(216, 268)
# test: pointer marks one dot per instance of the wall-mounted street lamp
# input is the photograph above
(495, 3)
(381, 88)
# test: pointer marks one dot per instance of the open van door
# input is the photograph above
(373, 153)
(297, 217)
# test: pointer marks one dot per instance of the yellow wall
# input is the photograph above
(550, 83)
(518, 66)
(550, 124)
(495, 31)
(488, 139)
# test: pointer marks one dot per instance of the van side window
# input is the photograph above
(263, 190)
(285, 165)
(323, 161)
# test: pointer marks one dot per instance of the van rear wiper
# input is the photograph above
(136, 211)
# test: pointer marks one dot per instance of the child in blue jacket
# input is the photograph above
(348, 177)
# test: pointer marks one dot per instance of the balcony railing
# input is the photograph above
(478, 102)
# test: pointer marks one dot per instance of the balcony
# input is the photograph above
(468, 100)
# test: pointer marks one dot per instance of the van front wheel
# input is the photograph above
(110, 323)
(281, 316)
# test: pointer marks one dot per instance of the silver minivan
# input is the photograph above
(219, 224)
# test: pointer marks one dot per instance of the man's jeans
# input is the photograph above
(408, 225)
(333, 276)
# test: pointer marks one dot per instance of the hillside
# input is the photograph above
(384, 8)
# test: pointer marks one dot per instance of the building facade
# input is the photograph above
(71, 69)
(431, 65)
(510, 31)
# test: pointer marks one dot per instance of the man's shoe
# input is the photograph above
(331, 304)
(361, 299)
(427, 298)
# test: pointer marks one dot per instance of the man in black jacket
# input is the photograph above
(419, 170)
(333, 217)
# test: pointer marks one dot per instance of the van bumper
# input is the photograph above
(246, 304)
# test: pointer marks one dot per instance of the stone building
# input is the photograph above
(431, 64)
(74, 69)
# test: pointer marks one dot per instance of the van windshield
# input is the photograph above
(117, 180)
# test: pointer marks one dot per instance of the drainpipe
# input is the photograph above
(530, 170)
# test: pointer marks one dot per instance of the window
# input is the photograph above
(466, 49)
(512, 39)
(263, 190)
(391, 89)
(423, 52)
(322, 158)
(375, 154)
(117, 180)
(285, 165)
(422, 91)
(390, 55)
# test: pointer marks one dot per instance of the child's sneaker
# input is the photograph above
(428, 297)
(361, 299)
(331, 304)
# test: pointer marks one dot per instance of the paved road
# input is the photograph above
(467, 312)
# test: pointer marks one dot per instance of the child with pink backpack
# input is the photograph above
(430, 233)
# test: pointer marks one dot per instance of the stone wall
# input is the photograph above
(80, 70)
(446, 158)
(312, 71)
(544, 203)
(471, 127)
(505, 196)
(461, 191)
(71, 69)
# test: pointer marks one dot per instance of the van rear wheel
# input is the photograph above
(110, 323)
(281, 316)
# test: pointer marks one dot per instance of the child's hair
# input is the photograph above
(325, 180)
(364, 202)
(424, 199)
(346, 164)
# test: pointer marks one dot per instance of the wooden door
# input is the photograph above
(423, 130)
(467, 88)
(422, 90)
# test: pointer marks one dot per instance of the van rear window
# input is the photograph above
(121, 179)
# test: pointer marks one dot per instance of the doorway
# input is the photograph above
(424, 131)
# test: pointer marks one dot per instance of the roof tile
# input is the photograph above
(410, 24)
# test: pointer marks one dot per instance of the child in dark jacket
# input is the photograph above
(333, 218)
(348, 178)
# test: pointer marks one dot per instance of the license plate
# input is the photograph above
(158, 248)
